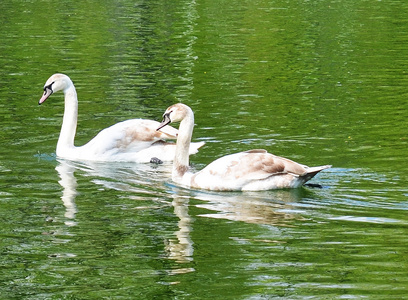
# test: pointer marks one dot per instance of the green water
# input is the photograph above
(320, 82)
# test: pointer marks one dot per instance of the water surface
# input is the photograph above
(317, 82)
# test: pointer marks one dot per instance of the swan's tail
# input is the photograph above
(195, 146)
(312, 171)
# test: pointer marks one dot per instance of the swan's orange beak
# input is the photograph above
(47, 92)
(166, 121)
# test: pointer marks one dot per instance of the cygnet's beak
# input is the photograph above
(166, 121)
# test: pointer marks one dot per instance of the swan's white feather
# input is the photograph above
(135, 140)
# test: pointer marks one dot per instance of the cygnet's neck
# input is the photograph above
(69, 122)
(181, 160)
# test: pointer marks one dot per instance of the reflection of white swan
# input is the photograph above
(69, 184)
(122, 176)
(251, 170)
(132, 178)
(135, 140)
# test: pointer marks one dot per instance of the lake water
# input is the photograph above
(319, 82)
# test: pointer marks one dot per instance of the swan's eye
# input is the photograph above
(49, 87)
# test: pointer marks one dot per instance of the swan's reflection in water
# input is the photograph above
(132, 178)
(69, 192)
(136, 180)
(266, 207)
(120, 176)
(181, 248)
(272, 208)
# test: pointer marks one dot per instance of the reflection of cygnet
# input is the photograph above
(273, 208)
(181, 249)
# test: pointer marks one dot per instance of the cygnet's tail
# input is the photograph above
(312, 171)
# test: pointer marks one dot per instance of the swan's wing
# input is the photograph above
(134, 140)
(129, 136)
(146, 130)
(163, 150)
(241, 168)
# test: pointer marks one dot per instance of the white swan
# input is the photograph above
(135, 140)
(252, 170)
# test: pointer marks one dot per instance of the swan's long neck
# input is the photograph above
(69, 122)
(181, 160)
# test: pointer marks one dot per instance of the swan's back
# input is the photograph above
(132, 135)
(135, 140)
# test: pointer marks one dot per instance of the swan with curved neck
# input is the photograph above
(252, 170)
(135, 140)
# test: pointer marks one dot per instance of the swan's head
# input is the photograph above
(175, 113)
(55, 83)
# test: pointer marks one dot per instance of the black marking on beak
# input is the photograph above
(166, 121)
(47, 92)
